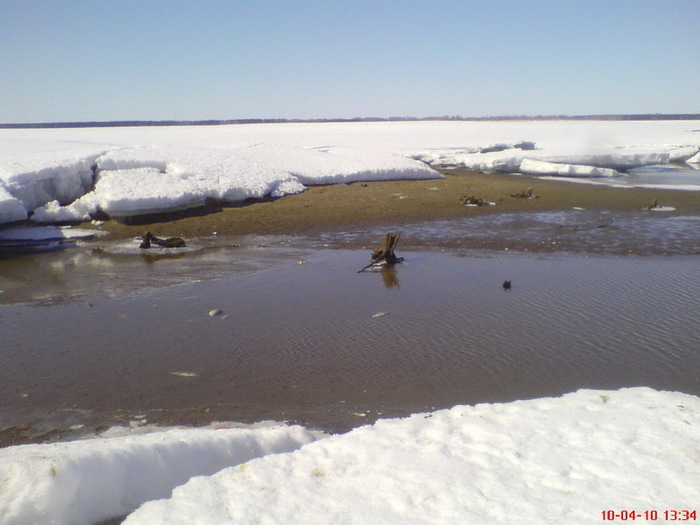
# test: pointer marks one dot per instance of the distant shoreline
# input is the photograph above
(457, 118)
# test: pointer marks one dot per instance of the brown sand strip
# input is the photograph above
(327, 208)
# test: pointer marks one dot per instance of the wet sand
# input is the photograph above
(393, 203)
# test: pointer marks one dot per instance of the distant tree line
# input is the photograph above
(141, 123)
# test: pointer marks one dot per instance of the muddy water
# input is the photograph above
(320, 344)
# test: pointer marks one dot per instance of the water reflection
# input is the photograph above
(390, 277)
(121, 267)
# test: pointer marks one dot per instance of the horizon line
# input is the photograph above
(458, 118)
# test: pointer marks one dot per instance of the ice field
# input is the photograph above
(55, 175)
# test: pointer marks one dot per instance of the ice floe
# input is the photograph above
(541, 167)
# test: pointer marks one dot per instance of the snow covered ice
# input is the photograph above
(550, 460)
(58, 175)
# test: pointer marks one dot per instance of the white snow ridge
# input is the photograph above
(84, 482)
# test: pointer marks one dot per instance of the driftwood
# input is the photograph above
(471, 200)
(385, 255)
(527, 194)
(170, 242)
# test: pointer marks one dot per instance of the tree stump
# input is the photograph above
(170, 242)
(385, 255)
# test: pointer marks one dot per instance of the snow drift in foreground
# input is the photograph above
(562, 460)
(69, 174)
(84, 482)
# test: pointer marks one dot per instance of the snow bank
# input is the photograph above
(142, 180)
(554, 460)
(83, 482)
(69, 174)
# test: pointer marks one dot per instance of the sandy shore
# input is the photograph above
(327, 208)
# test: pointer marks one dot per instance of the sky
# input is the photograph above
(101, 60)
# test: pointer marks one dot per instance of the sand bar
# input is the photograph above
(327, 208)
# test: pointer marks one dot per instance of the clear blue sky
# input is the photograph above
(73, 60)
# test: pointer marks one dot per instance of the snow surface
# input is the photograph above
(84, 482)
(553, 460)
(550, 460)
(69, 174)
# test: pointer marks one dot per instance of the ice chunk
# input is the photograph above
(137, 191)
(618, 159)
(540, 167)
(682, 154)
(695, 159)
(36, 184)
(11, 208)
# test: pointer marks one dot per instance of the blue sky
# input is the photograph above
(71, 60)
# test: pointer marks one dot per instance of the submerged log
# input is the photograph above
(385, 255)
(170, 242)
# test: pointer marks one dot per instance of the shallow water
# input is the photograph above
(674, 177)
(303, 342)
(576, 231)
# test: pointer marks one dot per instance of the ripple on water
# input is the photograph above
(307, 335)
